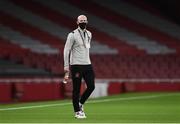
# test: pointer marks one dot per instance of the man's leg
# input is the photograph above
(76, 79)
(88, 75)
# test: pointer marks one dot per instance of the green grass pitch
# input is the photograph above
(124, 108)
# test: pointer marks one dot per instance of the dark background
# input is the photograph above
(169, 8)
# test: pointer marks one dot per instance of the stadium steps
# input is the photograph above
(139, 39)
(34, 20)
(12, 51)
(24, 41)
(56, 18)
(9, 68)
(15, 53)
(137, 67)
(107, 66)
(150, 46)
(155, 22)
(149, 19)
(61, 19)
(149, 8)
(26, 33)
(123, 21)
(29, 29)
(99, 34)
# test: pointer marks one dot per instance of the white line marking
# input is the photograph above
(92, 101)
(35, 106)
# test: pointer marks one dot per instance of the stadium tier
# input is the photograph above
(124, 44)
(132, 42)
(137, 67)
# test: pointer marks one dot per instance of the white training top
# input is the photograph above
(76, 50)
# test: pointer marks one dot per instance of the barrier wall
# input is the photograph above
(5, 92)
(40, 91)
(24, 92)
(152, 87)
(31, 91)
(115, 88)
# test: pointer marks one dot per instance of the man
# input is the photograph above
(76, 59)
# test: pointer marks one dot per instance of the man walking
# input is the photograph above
(77, 60)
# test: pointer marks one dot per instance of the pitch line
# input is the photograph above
(92, 101)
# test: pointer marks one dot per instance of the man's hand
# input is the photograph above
(66, 69)
(66, 75)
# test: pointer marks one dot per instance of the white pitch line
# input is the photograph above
(34, 106)
(92, 101)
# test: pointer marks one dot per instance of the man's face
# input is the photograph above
(82, 21)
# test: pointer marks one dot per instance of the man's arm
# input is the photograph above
(67, 50)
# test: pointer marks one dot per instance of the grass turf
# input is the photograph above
(124, 108)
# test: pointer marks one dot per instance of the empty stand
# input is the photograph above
(138, 67)
(13, 52)
(161, 43)
(128, 36)
(26, 42)
(8, 68)
(33, 34)
(38, 12)
(143, 16)
(101, 35)
(127, 12)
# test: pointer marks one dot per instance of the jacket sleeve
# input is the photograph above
(67, 49)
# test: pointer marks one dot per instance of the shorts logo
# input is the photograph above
(77, 75)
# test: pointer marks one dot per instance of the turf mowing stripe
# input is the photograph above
(92, 101)
(128, 98)
(98, 113)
